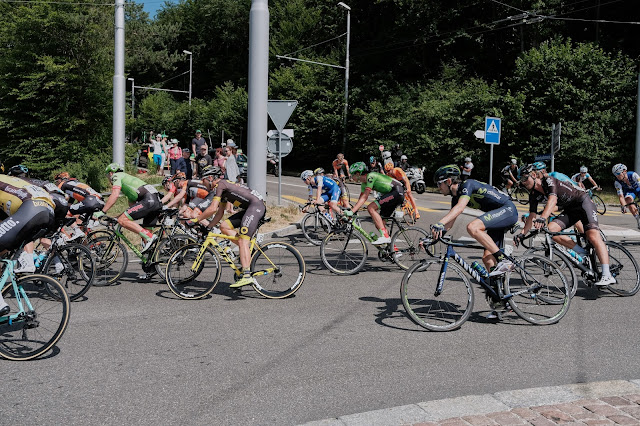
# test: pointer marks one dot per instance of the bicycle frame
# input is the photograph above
(360, 229)
(552, 245)
(21, 296)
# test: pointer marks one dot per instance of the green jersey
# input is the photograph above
(379, 182)
(132, 187)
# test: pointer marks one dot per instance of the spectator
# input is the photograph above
(202, 160)
(466, 169)
(175, 154)
(220, 159)
(232, 165)
(158, 148)
(183, 164)
(198, 142)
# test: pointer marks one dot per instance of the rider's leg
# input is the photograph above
(413, 204)
(372, 208)
(477, 230)
(593, 235)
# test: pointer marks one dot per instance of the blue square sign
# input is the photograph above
(492, 128)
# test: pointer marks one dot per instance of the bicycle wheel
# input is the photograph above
(315, 227)
(278, 269)
(540, 293)
(344, 252)
(73, 267)
(111, 259)
(406, 246)
(563, 263)
(189, 278)
(522, 195)
(601, 207)
(624, 269)
(166, 247)
(40, 326)
(445, 311)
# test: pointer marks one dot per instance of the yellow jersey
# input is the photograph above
(14, 191)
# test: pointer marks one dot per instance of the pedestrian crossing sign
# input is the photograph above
(492, 130)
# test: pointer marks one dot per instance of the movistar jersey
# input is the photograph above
(132, 187)
(622, 188)
(14, 191)
(379, 182)
(481, 196)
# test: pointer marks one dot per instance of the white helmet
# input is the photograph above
(403, 157)
(467, 159)
(583, 169)
(306, 175)
(618, 168)
(514, 161)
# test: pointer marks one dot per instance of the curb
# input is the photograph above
(450, 408)
(282, 232)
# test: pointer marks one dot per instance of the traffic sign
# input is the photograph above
(492, 130)
(286, 144)
(280, 111)
(543, 157)
(479, 134)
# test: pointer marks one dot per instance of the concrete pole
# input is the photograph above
(637, 158)
(133, 105)
(119, 87)
(346, 77)
(258, 95)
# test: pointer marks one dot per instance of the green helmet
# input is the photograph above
(444, 172)
(358, 167)
(115, 168)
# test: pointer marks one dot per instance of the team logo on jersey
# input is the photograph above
(7, 225)
(594, 214)
(465, 191)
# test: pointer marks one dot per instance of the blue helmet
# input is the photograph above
(539, 165)
(18, 170)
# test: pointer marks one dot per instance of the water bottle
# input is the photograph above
(373, 235)
(575, 255)
(38, 258)
(480, 269)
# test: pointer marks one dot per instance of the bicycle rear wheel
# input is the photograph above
(445, 311)
(540, 293)
(111, 259)
(315, 227)
(406, 246)
(344, 252)
(278, 269)
(624, 269)
(522, 195)
(45, 319)
(78, 269)
(190, 278)
(601, 207)
(166, 247)
(563, 263)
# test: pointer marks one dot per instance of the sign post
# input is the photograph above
(492, 131)
(555, 142)
(280, 111)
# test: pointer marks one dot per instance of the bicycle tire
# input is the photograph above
(190, 284)
(344, 252)
(601, 207)
(33, 334)
(406, 246)
(522, 195)
(565, 265)
(79, 269)
(165, 248)
(540, 293)
(111, 259)
(289, 274)
(315, 227)
(624, 268)
(444, 312)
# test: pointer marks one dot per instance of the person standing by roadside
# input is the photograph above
(466, 169)
(183, 164)
(198, 142)
(202, 160)
(175, 154)
(232, 166)
(158, 148)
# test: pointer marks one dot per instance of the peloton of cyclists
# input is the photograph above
(627, 186)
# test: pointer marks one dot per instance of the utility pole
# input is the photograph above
(119, 86)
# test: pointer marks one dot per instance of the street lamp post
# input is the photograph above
(133, 104)
(346, 76)
(190, 72)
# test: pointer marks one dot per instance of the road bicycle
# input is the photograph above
(437, 294)
(193, 270)
(344, 189)
(622, 264)
(344, 250)
(408, 212)
(601, 207)
(112, 257)
(39, 313)
(315, 224)
(517, 192)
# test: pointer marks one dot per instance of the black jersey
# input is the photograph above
(481, 196)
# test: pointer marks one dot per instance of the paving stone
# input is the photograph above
(603, 409)
(624, 420)
(599, 422)
(525, 412)
(588, 415)
(542, 421)
(425, 424)
(571, 408)
(506, 418)
(536, 396)
(463, 406)
(616, 401)
(389, 416)
(633, 397)
(556, 416)
(632, 410)
(457, 421)
(479, 420)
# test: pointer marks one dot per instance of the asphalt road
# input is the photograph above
(134, 354)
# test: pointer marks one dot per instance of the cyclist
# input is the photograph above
(374, 165)
(252, 207)
(488, 229)
(576, 206)
(322, 190)
(508, 174)
(144, 203)
(582, 176)
(86, 199)
(187, 190)
(627, 186)
(341, 167)
(398, 174)
(391, 196)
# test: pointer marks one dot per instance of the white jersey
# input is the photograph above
(579, 178)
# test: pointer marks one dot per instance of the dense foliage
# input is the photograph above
(423, 74)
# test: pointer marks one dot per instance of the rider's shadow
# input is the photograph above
(391, 314)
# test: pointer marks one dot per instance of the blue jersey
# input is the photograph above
(481, 196)
(622, 188)
(327, 184)
(564, 178)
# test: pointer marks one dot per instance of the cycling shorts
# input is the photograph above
(631, 195)
(201, 203)
(60, 211)
(31, 221)
(146, 207)
(333, 195)
(388, 202)
(584, 212)
(247, 220)
(90, 204)
(497, 221)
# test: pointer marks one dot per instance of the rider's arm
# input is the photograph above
(166, 198)
(346, 166)
(528, 223)
(218, 216)
(179, 196)
(213, 207)
(593, 182)
(552, 202)
(115, 193)
(453, 214)
(363, 198)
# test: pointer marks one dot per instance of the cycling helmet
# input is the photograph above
(62, 176)
(358, 167)
(525, 170)
(166, 180)
(514, 161)
(115, 168)
(539, 165)
(388, 166)
(372, 159)
(318, 171)
(444, 172)
(18, 170)
(618, 168)
(306, 175)
(404, 157)
(179, 175)
(583, 169)
(467, 159)
(214, 171)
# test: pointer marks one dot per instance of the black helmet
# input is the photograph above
(525, 170)
(214, 171)
(444, 172)
(18, 170)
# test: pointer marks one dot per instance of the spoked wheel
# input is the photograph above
(45, 319)
(563, 263)
(445, 311)
(189, 277)
(111, 259)
(405, 244)
(624, 269)
(166, 247)
(315, 227)
(601, 207)
(540, 292)
(344, 252)
(74, 268)
(278, 270)
(522, 195)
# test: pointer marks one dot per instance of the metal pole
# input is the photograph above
(258, 95)
(190, 71)
(637, 159)
(279, 168)
(553, 129)
(491, 166)
(119, 86)
(133, 105)
(346, 78)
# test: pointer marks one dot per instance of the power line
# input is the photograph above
(57, 2)
(317, 44)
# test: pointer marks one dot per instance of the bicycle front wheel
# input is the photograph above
(563, 262)
(601, 207)
(522, 195)
(539, 291)
(315, 227)
(406, 246)
(166, 247)
(278, 270)
(41, 322)
(624, 269)
(445, 311)
(344, 252)
(73, 266)
(189, 277)
(111, 259)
